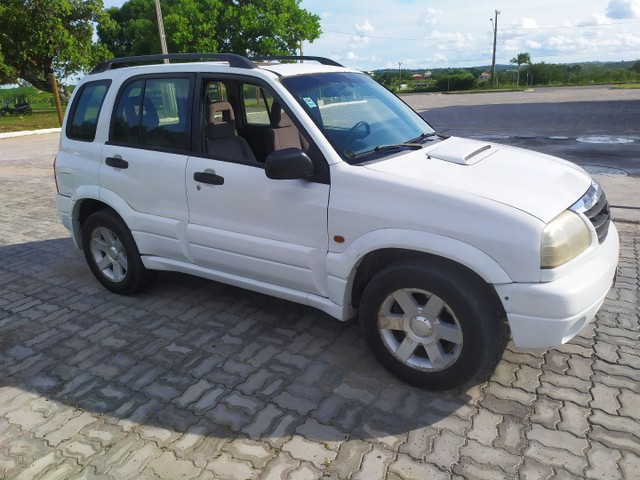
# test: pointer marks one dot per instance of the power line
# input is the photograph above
(502, 30)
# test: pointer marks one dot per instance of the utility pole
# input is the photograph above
(495, 38)
(163, 40)
(399, 76)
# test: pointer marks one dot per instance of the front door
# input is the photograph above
(245, 224)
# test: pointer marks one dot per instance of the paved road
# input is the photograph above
(194, 379)
(591, 126)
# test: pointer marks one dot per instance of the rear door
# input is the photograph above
(143, 164)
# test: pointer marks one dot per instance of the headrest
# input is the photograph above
(220, 112)
(279, 117)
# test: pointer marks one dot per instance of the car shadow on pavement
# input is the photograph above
(191, 355)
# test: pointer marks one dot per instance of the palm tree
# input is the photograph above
(522, 58)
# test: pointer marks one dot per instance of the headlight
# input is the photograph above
(563, 239)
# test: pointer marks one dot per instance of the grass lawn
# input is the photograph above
(38, 120)
(627, 85)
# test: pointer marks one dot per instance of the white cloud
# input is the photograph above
(525, 23)
(532, 44)
(429, 19)
(621, 9)
(365, 29)
(596, 19)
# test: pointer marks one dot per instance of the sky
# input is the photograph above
(426, 34)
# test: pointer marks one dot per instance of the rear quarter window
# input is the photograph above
(85, 110)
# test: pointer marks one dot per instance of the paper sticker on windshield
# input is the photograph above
(310, 102)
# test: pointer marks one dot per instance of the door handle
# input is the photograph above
(117, 162)
(210, 178)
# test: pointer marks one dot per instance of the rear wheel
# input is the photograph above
(434, 326)
(112, 254)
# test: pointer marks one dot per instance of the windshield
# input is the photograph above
(359, 117)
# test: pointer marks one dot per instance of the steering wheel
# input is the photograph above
(359, 131)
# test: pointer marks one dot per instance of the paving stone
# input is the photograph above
(419, 442)
(511, 435)
(228, 468)
(485, 427)
(136, 461)
(445, 451)
(314, 452)
(490, 456)
(279, 467)
(282, 430)
(298, 404)
(630, 402)
(78, 449)
(558, 439)
(615, 440)
(263, 421)
(349, 459)
(616, 423)
(411, 469)
(208, 400)
(555, 457)
(603, 462)
(330, 436)
(630, 465)
(375, 464)
(575, 419)
(254, 452)
(305, 472)
(39, 466)
(233, 418)
(605, 398)
(546, 411)
(168, 467)
(534, 470)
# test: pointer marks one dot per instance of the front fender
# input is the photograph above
(341, 267)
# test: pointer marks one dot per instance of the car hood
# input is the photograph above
(535, 183)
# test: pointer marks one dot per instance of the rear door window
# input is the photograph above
(86, 110)
(154, 113)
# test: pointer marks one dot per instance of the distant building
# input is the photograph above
(484, 76)
(417, 76)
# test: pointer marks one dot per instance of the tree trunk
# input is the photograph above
(45, 85)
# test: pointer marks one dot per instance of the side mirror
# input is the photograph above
(288, 164)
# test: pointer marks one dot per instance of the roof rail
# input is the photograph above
(322, 60)
(233, 59)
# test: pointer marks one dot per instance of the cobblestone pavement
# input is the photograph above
(194, 379)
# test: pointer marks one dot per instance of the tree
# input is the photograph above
(522, 58)
(253, 27)
(41, 37)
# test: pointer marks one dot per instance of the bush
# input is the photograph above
(459, 81)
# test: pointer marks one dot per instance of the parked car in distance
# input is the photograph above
(312, 183)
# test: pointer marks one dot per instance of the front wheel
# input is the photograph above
(112, 254)
(434, 326)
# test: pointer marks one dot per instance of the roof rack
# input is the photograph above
(233, 60)
(322, 60)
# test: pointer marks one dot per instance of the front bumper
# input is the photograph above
(543, 315)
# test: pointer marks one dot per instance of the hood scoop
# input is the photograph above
(465, 152)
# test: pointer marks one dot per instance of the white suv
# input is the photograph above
(311, 182)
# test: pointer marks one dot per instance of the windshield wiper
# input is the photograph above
(380, 148)
(422, 137)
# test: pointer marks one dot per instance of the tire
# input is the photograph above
(433, 325)
(112, 254)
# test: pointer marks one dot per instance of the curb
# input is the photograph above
(24, 133)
